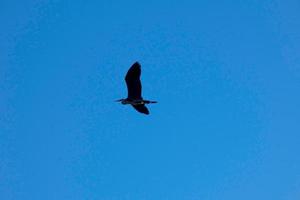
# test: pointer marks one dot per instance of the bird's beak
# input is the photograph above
(118, 100)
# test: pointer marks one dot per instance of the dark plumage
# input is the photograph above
(134, 88)
(141, 109)
(133, 82)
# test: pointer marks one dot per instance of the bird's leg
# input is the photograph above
(147, 101)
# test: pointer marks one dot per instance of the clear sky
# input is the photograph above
(226, 75)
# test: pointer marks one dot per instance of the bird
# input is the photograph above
(134, 89)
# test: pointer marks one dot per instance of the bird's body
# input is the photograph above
(134, 88)
(136, 102)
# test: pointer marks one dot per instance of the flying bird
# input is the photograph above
(134, 88)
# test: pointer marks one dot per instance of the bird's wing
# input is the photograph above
(133, 81)
(141, 109)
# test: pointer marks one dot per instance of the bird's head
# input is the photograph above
(123, 101)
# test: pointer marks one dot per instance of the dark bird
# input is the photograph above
(134, 88)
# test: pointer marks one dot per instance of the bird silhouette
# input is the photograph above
(134, 88)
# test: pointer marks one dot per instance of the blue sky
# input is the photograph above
(226, 76)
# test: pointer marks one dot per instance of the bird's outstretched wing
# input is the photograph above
(141, 109)
(133, 81)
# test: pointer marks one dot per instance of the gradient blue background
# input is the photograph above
(226, 75)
